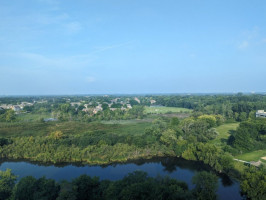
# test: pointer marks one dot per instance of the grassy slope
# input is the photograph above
(253, 156)
(163, 110)
(224, 132)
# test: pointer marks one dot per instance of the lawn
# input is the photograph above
(253, 156)
(164, 110)
(129, 121)
(224, 132)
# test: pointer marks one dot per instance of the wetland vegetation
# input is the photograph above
(212, 129)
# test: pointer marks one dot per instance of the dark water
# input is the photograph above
(173, 167)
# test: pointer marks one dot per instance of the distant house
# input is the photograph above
(97, 109)
(129, 106)
(115, 100)
(137, 100)
(152, 101)
(75, 103)
(16, 108)
(6, 106)
(23, 104)
(261, 113)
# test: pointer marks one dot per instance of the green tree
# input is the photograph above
(85, 187)
(168, 137)
(210, 119)
(7, 182)
(254, 183)
(242, 116)
(206, 186)
(105, 106)
(66, 191)
(56, 135)
(10, 115)
(30, 188)
(174, 121)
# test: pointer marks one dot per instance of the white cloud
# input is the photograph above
(243, 45)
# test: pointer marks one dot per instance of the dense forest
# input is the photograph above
(85, 129)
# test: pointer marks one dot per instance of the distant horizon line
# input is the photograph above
(132, 94)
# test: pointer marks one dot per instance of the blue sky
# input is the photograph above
(132, 46)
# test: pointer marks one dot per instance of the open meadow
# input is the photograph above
(253, 156)
(165, 110)
(224, 132)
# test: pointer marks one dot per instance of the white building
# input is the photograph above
(261, 113)
(129, 106)
(137, 100)
(16, 108)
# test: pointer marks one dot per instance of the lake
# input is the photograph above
(173, 167)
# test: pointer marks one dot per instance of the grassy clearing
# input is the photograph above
(224, 132)
(130, 121)
(253, 156)
(29, 117)
(164, 110)
(42, 128)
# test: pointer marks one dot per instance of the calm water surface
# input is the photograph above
(173, 167)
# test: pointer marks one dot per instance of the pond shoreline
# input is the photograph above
(173, 167)
(139, 161)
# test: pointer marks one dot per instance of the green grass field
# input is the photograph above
(164, 110)
(224, 133)
(29, 117)
(253, 156)
(129, 121)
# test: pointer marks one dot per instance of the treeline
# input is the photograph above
(134, 186)
(237, 107)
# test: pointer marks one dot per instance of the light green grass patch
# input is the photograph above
(164, 110)
(130, 121)
(29, 117)
(253, 156)
(224, 132)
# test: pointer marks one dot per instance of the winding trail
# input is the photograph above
(256, 164)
